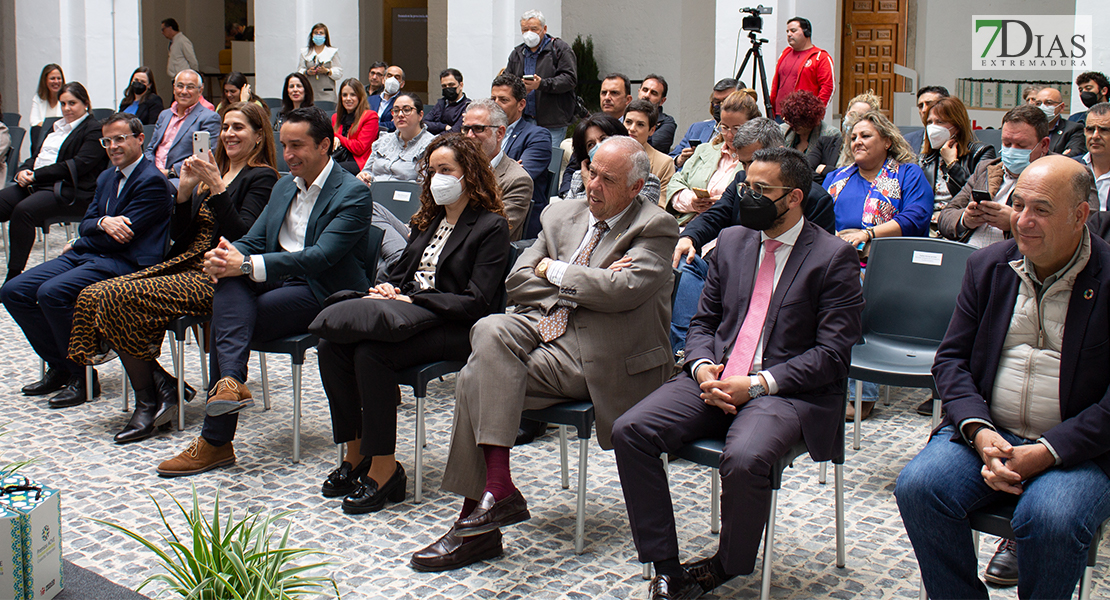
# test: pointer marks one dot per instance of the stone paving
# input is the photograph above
(103, 481)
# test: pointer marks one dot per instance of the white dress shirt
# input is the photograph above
(291, 236)
(52, 145)
(1102, 183)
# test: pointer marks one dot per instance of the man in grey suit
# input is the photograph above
(767, 358)
(172, 140)
(484, 121)
(308, 243)
(592, 300)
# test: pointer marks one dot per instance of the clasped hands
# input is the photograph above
(386, 291)
(223, 261)
(1006, 466)
(727, 394)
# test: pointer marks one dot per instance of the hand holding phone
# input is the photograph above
(201, 140)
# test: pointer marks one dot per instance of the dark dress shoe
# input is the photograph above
(344, 480)
(663, 587)
(493, 514)
(703, 573)
(1002, 570)
(141, 426)
(74, 393)
(166, 385)
(370, 498)
(54, 380)
(925, 409)
(452, 552)
(529, 430)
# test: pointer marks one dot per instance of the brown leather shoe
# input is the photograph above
(228, 396)
(490, 515)
(865, 411)
(199, 457)
(452, 552)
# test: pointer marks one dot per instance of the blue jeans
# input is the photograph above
(558, 134)
(686, 299)
(1054, 522)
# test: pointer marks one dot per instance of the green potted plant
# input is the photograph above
(238, 560)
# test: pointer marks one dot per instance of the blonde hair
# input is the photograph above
(899, 149)
(741, 102)
(869, 98)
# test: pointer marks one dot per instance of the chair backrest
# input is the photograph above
(148, 132)
(102, 113)
(11, 119)
(374, 237)
(554, 169)
(402, 198)
(325, 105)
(911, 286)
(908, 129)
(515, 250)
(273, 103)
(38, 135)
(12, 158)
(990, 136)
(280, 159)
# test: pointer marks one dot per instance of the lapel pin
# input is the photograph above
(1087, 295)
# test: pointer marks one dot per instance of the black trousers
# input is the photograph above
(761, 432)
(360, 380)
(26, 211)
(243, 311)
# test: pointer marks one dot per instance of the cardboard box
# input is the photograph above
(976, 93)
(1009, 94)
(12, 585)
(40, 518)
(990, 95)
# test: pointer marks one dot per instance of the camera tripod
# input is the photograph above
(759, 71)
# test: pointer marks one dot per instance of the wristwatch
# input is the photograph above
(541, 269)
(247, 267)
(756, 389)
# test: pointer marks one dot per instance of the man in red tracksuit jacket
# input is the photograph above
(801, 66)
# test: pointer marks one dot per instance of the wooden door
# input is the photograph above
(874, 40)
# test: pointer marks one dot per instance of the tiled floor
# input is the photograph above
(105, 481)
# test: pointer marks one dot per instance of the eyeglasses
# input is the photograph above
(402, 110)
(181, 87)
(479, 129)
(757, 189)
(721, 129)
(117, 140)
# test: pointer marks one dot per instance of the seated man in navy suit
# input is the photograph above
(172, 140)
(525, 143)
(124, 229)
(308, 243)
(767, 362)
(1022, 372)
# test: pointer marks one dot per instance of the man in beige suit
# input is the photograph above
(484, 121)
(592, 300)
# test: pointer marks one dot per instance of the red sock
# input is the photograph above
(498, 480)
(467, 507)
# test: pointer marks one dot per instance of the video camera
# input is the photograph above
(754, 22)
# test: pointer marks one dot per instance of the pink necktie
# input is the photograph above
(554, 323)
(743, 351)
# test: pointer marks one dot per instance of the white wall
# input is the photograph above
(281, 32)
(1101, 50)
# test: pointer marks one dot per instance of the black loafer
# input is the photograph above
(1002, 570)
(54, 380)
(452, 552)
(528, 431)
(344, 480)
(663, 587)
(370, 498)
(493, 514)
(704, 574)
(75, 392)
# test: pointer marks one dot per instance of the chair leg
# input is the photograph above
(179, 372)
(89, 383)
(715, 501)
(921, 593)
(1085, 583)
(859, 411)
(339, 459)
(265, 381)
(45, 244)
(4, 237)
(647, 572)
(838, 477)
(768, 548)
(563, 468)
(296, 413)
(203, 357)
(886, 395)
(936, 411)
(580, 521)
(42, 367)
(126, 391)
(822, 472)
(419, 449)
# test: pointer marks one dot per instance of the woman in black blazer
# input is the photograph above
(141, 98)
(58, 179)
(449, 276)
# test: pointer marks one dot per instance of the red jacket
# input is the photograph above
(365, 133)
(815, 75)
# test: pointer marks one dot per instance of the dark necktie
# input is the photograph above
(113, 193)
(554, 323)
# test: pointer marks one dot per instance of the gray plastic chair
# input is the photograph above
(325, 105)
(909, 294)
(990, 136)
(402, 198)
(102, 113)
(273, 103)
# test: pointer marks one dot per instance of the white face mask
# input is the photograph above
(531, 39)
(392, 86)
(445, 189)
(1049, 111)
(938, 135)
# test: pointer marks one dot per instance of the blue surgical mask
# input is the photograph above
(592, 152)
(318, 40)
(1015, 159)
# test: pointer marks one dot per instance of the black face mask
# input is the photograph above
(1088, 99)
(451, 94)
(761, 214)
(138, 88)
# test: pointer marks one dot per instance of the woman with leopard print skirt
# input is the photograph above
(218, 197)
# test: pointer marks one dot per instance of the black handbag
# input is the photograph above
(351, 317)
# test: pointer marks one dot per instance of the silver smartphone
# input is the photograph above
(201, 143)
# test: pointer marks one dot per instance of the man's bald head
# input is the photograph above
(617, 174)
(1050, 212)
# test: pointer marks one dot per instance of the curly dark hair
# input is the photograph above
(802, 110)
(479, 182)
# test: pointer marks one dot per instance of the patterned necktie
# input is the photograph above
(743, 350)
(554, 323)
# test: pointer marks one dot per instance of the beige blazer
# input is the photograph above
(622, 318)
(516, 194)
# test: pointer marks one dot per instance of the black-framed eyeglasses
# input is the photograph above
(402, 110)
(758, 189)
(478, 129)
(107, 142)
